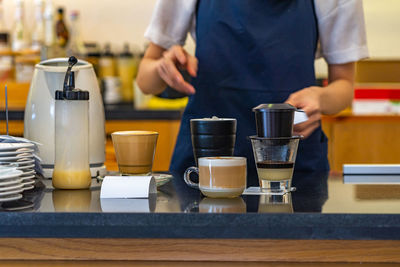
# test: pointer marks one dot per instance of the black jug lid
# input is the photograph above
(275, 107)
(74, 94)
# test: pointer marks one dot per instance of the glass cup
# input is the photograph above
(135, 151)
(219, 177)
(275, 158)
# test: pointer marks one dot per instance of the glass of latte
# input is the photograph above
(275, 158)
(135, 151)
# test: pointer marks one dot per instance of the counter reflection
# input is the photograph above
(222, 205)
(176, 196)
(72, 200)
(310, 196)
(275, 203)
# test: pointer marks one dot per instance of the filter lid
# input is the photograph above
(274, 107)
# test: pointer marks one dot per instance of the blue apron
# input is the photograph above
(251, 52)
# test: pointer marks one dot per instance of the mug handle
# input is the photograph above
(186, 177)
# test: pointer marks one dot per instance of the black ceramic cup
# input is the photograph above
(203, 152)
(209, 141)
(213, 137)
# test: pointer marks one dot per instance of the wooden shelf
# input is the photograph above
(17, 95)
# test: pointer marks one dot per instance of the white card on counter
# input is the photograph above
(300, 116)
(128, 187)
(128, 204)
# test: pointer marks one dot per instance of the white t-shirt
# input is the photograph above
(341, 27)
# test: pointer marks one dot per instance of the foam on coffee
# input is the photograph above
(222, 161)
(134, 133)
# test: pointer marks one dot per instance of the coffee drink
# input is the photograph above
(222, 176)
(275, 158)
(275, 170)
(134, 151)
(219, 177)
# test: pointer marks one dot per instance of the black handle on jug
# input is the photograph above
(70, 75)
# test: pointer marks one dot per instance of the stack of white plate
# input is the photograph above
(22, 155)
(11, 185)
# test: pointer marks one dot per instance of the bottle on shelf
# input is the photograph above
(19, 32)
(76, 46)
(49, 48)
(107, 63)
(93, 54)
(4, 35)
(62, 33)
(126, 73)
(38, 33)
(49, 36)
(6, 60)
(108, 77)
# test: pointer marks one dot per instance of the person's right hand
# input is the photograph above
(173, 59)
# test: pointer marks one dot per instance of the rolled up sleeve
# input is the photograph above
(341, 28)
(170, 22)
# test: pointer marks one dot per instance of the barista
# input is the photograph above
(248, 53)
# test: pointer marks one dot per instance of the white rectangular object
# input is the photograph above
(375, 107)
(371, 169)
(128, 187)
(300, 116)
(371, 179)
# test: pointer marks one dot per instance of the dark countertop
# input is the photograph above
(321, 208)
(116, 112)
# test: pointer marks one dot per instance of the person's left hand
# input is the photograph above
(307, 99)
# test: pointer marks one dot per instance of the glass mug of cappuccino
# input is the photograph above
(219, 177)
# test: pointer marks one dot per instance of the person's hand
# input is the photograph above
(307, 99)
(173, 59)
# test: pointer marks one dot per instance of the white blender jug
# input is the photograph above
(39, 120)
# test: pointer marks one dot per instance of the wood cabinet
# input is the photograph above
(197, 252)
(362, 139)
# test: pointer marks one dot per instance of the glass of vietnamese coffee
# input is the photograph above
(219, 177)
(275, 159)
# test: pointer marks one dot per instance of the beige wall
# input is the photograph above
(382, 19)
